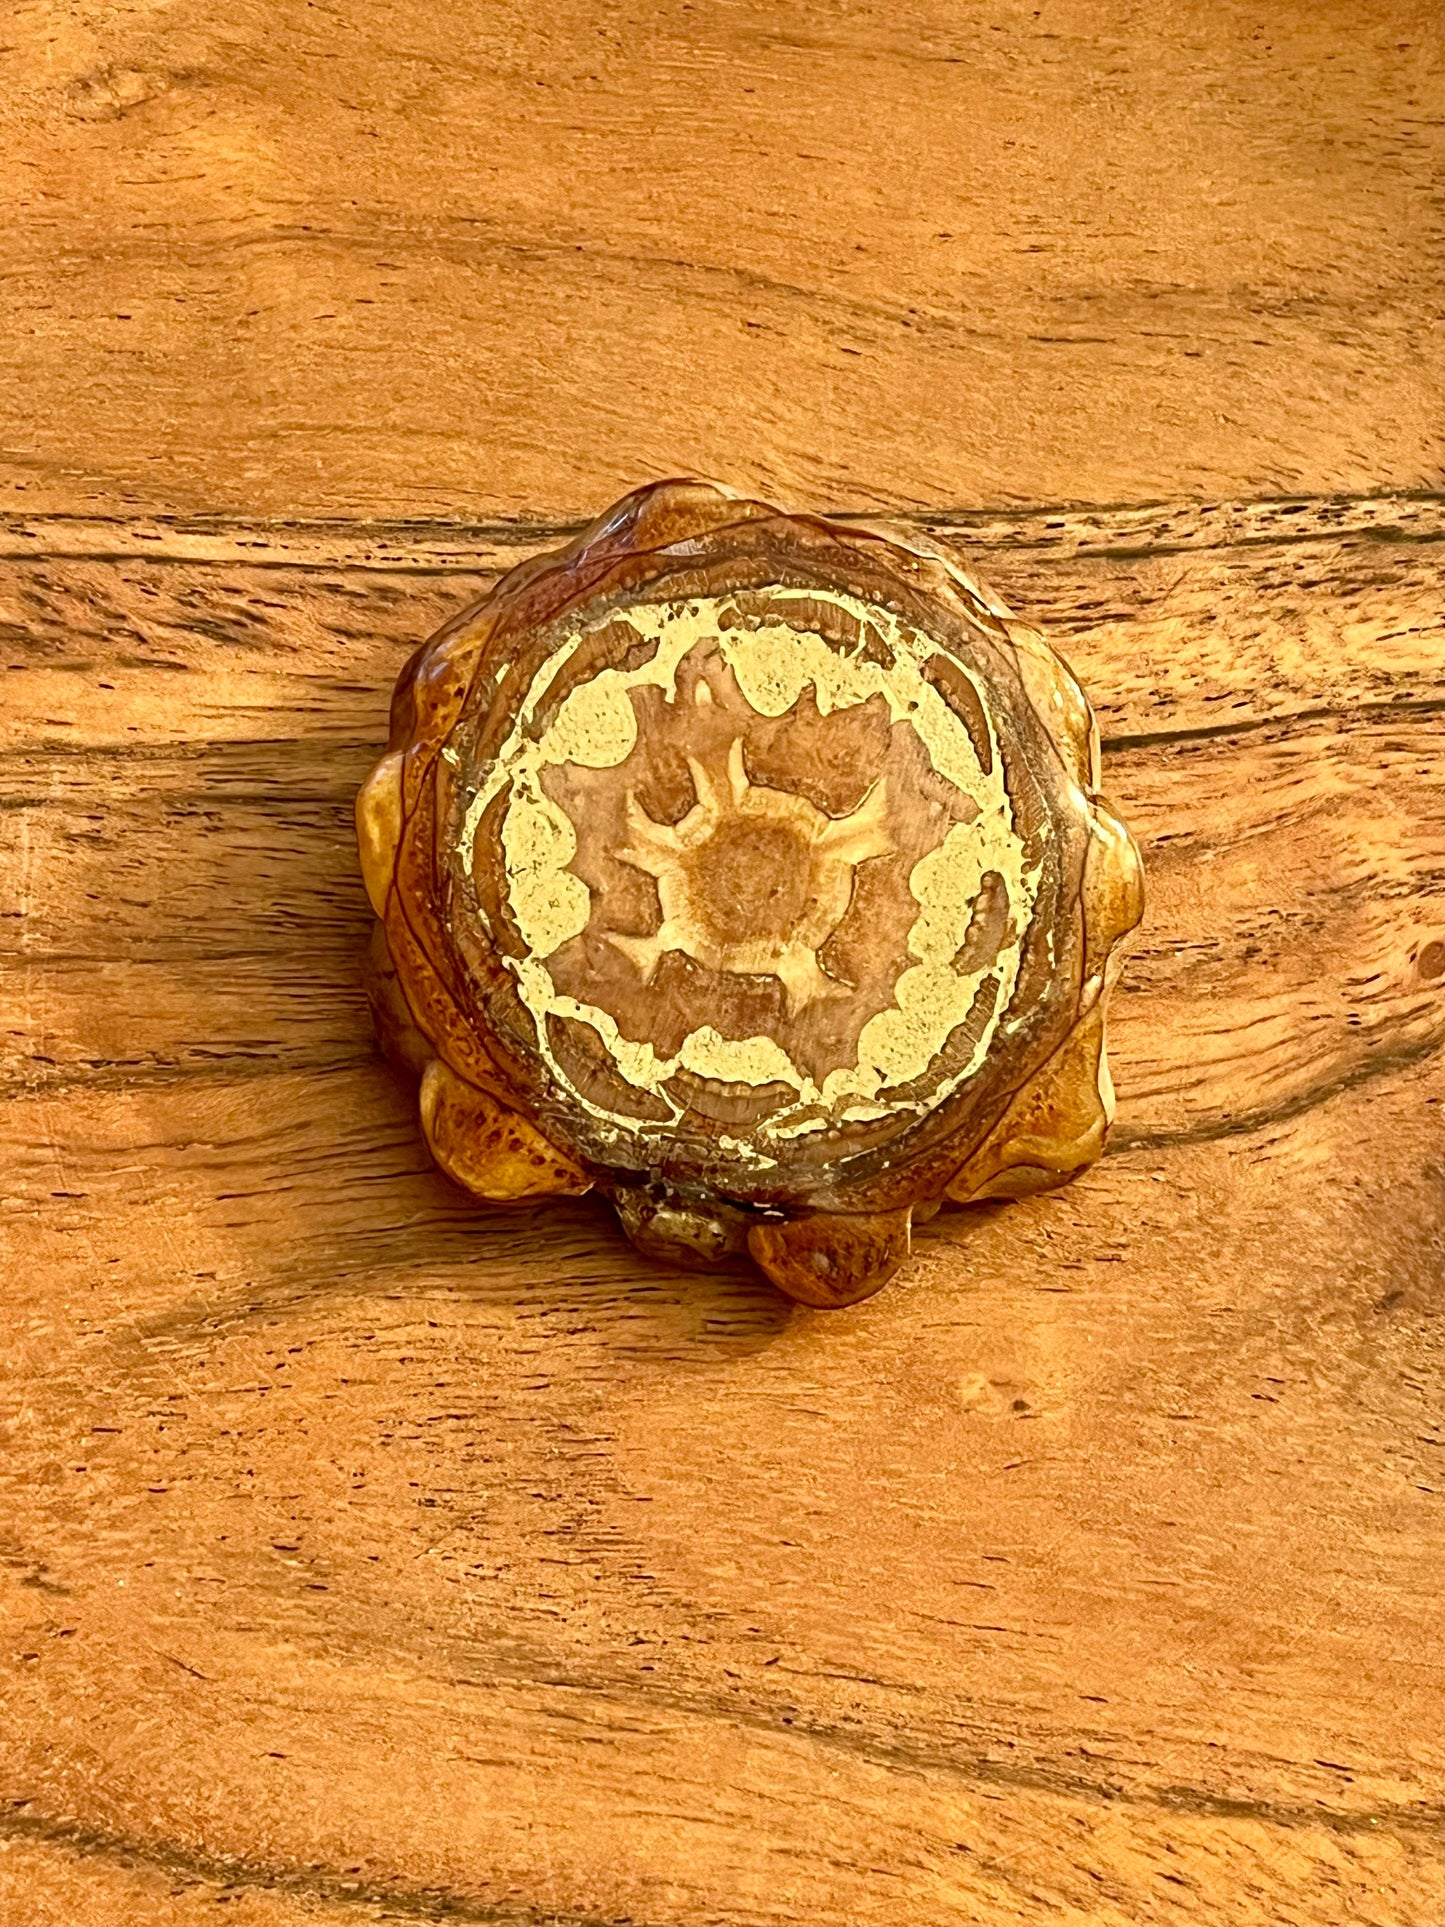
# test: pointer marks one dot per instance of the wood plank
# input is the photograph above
(368, 1554)
(1272, 749)
(475, 259)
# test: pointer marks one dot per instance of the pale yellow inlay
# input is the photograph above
(773, 664)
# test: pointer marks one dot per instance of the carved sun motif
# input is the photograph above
(751, 880)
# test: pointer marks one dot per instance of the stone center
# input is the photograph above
(752, 880)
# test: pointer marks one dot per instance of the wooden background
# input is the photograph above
(365, 1556)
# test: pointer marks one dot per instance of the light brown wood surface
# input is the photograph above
(401, 256)
(366, 1555)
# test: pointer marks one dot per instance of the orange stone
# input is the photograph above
(752, 869)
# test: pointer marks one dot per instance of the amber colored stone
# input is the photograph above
(751, 868)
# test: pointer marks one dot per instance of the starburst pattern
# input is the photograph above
(751, 880)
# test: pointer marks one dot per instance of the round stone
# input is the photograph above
(749, 856)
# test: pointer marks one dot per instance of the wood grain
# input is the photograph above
(367, 1555)
(491, 258)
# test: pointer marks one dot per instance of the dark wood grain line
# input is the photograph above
(1276, 539)
(325, 1885)
(1002, 527)
(30, 760)
(223, 1067)
(189, 750)
(912, 1754)
(1381, 1063)
(466, 240)
(1289, 723)
(292, 566)
(219, 1068)
(909, 1755)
